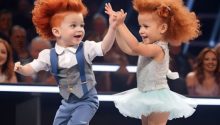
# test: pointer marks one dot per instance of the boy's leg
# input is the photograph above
(63, 114)
(82, 115)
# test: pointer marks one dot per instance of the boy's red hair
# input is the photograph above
(183, 25)
(45, 10)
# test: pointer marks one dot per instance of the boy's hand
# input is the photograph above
(17, 67)
(115, 18)
(112, 15)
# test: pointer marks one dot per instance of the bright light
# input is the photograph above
(55, 89)
(105, 68)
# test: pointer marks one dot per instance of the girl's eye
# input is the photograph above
(82, 25)
(73, 25)
(145, 26)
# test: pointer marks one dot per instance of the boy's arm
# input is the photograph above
(25, 70)
(111, 34)
(109, 39)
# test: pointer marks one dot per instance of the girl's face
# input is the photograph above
(210, 62)
(3, 54)
(71, 30)
(151, 30)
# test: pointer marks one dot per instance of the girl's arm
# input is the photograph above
(138, 48)
(123, 44)
(127, 41)
(25, 70)
(120, 41)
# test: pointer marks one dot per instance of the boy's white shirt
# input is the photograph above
(67, 57)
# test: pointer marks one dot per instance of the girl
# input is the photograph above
(7, 75)
(71, 59)
(162, 22)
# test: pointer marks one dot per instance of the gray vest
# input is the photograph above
(69, 80)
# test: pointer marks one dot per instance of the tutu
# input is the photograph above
(134, 103)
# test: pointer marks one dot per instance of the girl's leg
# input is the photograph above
(157, 118)
(144, 120)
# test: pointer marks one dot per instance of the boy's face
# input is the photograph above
(71, 30)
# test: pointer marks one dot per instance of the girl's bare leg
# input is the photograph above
(156, 118)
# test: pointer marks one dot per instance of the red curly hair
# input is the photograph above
(183, 25)
(50, 13)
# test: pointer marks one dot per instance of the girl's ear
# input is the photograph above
(163, 28)
(56, 32)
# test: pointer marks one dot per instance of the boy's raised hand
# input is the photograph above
(112, 15)
(117, 17)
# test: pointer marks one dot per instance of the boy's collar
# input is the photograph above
(59, 49)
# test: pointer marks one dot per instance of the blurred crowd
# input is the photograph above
(199, 74)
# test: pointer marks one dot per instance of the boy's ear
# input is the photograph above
(56, 32)
(163, 28)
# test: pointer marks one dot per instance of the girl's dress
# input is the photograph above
(152, 93)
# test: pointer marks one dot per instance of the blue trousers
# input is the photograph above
(75, 111)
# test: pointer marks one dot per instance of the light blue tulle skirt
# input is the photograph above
(134, 103)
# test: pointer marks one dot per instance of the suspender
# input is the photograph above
(81, 63)
(54, 63)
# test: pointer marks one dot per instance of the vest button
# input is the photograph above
(70, 89)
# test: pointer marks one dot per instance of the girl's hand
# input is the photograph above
(121, 15)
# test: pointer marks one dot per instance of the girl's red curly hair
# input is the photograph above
(45, 10)
(183, 25)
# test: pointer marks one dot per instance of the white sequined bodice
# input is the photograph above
(151, 75)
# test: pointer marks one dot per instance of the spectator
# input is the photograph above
(99, 28)
(205, 80)
(6, 63)
(37, 45)
(5, 24)
(20, 51)
(217, 48)
(98, 31)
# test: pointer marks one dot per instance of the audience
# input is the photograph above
(7, 74)
(217, 48)
(16, 28)
(5, 24)
(43, 77)
(204, 80)
(20, 52)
